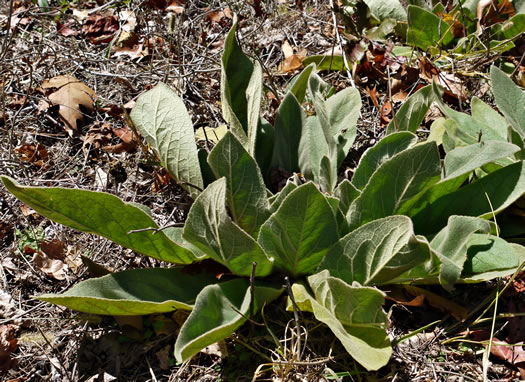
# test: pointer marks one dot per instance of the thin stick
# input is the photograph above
(340, 42)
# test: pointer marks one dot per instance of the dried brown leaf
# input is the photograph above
(71, 94)
(52, 267)
(8, 344)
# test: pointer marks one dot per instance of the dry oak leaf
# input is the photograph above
(71, 94)
(8, 344)
(52, 267)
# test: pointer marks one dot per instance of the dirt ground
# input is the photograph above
(179, 43)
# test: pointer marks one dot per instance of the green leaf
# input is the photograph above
(241, 91)
(515, 25)
(288, 130)
(278, 199)
(376, 252)
(509, 98)
(264, 147)
(326, 62)
(219, 310)
(412, 112)
(161, 117)
(378, 154)
(463, 160)
(209, 228)
(299, 83)
(353, 313)
(135, 292)
(300, 233)
(395, 182)
(486, 115)
(206, 171)
(391, 9)
(102, 214)
(246, 193)
(489, 257)
(319, 90)
(328, 174)
(502, 187)
(451, 243)
(312, 148)
(424, 29)
(343, 110)
(467, 128)
(346, 192)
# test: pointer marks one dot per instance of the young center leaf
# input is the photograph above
(312, 147)
(376, 252)
(289, 124)
(412, 112)
(102, 214)
(210, 229)
(241, 91)
(135, 292)
(353, 313)
(246, 192)
(161, 117)
(300, 232)
(395, 182)
(219, 310)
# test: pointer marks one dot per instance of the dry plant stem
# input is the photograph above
(390, 98)
(340, 42)
(489, 347)
(296, 317)
(8, 37)
(57, 353)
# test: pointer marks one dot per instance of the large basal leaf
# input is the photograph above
(312, 147)
(289, 124)
(209, 228)
(319, 90)
(451, 243)
(241, 91)
(395, 182)
(468, 129)
(161, 117)
(509, 98)
(501, 187)
(378, 154)
(376, 252)
(135, 292)
(300, 233)
(219, 310)
(391, 9)
(489, 257)
(246, 192)
(486, 115)
(102, 214)
(412, 112)
(463, 160)
(425, 29)
(354, 314)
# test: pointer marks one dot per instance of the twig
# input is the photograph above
(340, 42)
